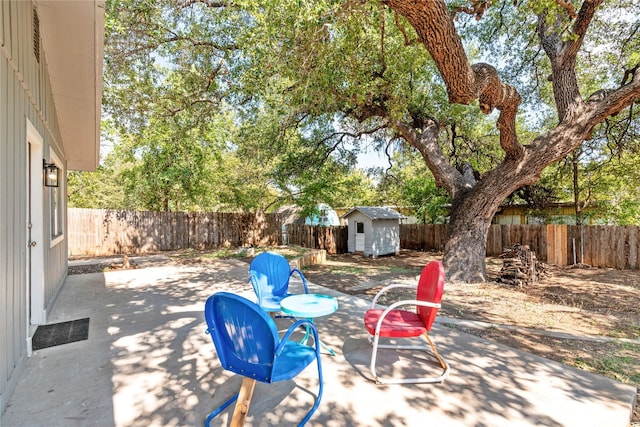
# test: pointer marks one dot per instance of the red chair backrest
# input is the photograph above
(430, 287)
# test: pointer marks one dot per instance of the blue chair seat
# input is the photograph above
(271, 303)
(295, 357)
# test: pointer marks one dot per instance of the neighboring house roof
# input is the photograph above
(72, 34)
(290, 214)
(375, 212)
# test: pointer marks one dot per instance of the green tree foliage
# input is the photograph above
(301, 87)
(187, 139)
(410, 184)
(97, 190)
(335, 63)
(167, 168)
(164, 92)
(403, 68)
(101, 189)
(603, 189)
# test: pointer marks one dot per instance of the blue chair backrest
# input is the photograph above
(270, 272)
(245, 336)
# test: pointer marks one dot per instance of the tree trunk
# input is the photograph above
(465, 249)
(576, 189)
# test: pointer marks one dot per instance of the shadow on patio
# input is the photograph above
(148, 362)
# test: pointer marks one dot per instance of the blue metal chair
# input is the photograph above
(269, 274)
(247, 343)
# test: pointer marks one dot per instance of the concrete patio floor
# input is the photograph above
(148, 362)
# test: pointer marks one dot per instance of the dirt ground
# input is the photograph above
(584, 317)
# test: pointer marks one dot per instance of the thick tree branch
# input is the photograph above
(464, 82)
(580, 26)
(570, 134)
(562, 54)
(603, 104)
(434, 26)
(426, 142)
(493, 93)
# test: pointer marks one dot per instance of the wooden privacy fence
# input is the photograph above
(432, 237)
(106, 232)
(421, 237)
(595, 245)
(331, 239)
(604, 246)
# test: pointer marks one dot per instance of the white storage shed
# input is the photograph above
(374, 231)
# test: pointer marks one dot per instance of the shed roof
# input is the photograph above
(375, 212)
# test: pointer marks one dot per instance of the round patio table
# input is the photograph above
(310, 306)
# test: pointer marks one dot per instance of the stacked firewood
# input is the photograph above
(520, 266)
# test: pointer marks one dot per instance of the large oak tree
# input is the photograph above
(475, 201)
(424, 71)
(345, 58)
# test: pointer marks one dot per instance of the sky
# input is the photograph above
(372, 159)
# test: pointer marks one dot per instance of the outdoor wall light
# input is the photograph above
(51, 174)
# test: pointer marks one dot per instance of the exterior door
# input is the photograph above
(35, 233)
(359, 236)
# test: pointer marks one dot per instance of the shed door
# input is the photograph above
(359, 236)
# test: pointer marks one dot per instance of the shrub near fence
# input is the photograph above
(105, 232)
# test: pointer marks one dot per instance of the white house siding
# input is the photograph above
(25, 96)
(368, 235)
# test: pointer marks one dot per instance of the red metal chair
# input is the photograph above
(398, 323)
